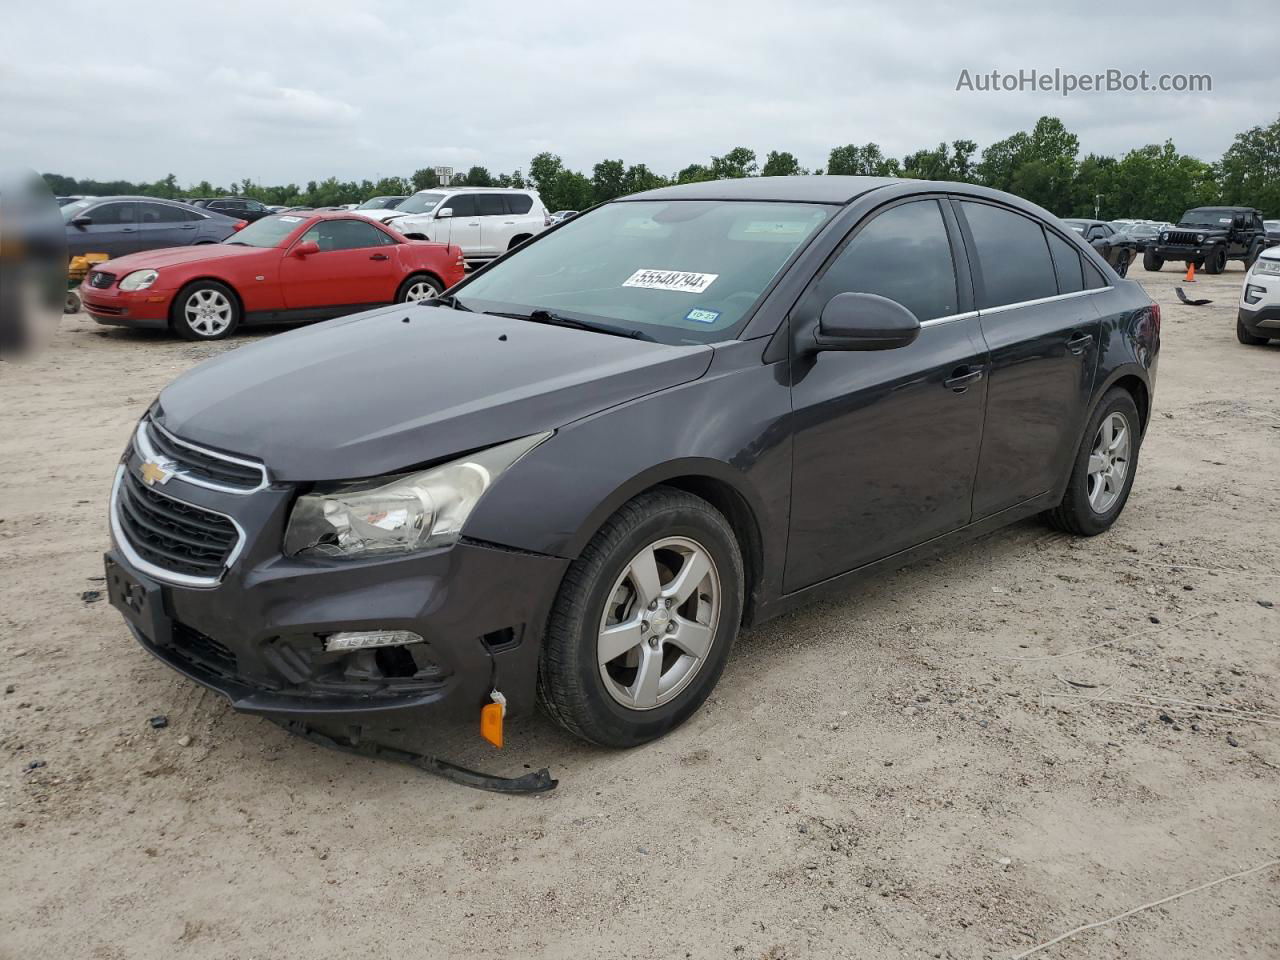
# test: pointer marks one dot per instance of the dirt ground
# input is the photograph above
(901, 773)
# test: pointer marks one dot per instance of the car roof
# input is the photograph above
(794, 189)
(477, 190)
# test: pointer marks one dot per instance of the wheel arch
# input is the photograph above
(717, 483)
(422, 272)
(1133, 379)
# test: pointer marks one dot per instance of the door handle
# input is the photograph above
(962, 377)
(1079, 342)
(126, 229)
(378, 256)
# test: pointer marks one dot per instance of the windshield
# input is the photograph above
(1208, 217)
(683, 271)
(421, 203)
(72, 210)
(379, 203)
(267, 232)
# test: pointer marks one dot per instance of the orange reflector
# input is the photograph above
(491, 723)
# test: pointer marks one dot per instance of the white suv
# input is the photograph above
(485, 222)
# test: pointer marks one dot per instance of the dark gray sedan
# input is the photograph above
(118, 226)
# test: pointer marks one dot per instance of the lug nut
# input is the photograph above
(653, 605)
(653, 641)
(644, 626)
(671, 628)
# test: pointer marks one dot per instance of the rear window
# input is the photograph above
(1012, 255)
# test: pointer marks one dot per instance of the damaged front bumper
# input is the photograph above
(258, 636)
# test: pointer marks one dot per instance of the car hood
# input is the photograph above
(177, 256)
(403, 386)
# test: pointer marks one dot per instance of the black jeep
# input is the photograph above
(1209, 237)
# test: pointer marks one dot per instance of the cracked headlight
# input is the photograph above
(388, 515)
(139, 280)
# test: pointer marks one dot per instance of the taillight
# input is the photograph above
(1155, 318)
(546, 217)
(239, 225)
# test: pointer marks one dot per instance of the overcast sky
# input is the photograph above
(294, 90)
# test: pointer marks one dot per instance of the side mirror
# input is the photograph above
(81, 221)
(864, 321)
(303, 250)
(444, 214)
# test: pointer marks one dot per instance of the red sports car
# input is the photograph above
(289, 268)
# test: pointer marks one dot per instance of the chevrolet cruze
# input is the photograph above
(576, 475)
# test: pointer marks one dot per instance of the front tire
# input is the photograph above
(1103, 470)
(419, 287)
(206, 310)
(1247, 338)
(1150, 262)
(1215, 261)
(643, 623)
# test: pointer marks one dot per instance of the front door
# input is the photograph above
(886, 442)
(355, 266)
(463, 228)
(113, 230)
(1032, 289)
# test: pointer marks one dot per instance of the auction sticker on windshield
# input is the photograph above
(678, 281)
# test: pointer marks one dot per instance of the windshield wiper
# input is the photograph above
(559, 320)
(452, 302)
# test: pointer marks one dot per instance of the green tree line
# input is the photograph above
(1043, 165)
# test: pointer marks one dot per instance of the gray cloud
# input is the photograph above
(292, 91)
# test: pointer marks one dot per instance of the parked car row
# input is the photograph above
(122, 225)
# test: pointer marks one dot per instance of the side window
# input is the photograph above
(1066, 263)
(902, 254)
(160, 213)
(519, 203)
(114, 213)
(1011, 254)
(331, 235)
(463, 204)
(254, 206)
(490, 205)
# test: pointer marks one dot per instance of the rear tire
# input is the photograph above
(1247, 338)
(205, 310)
(1150, 262)
(418, 287)
(1103, 470)
(665, 543)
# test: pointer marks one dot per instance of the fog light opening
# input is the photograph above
(365, 639)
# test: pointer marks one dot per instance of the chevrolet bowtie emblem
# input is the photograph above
(154, 472)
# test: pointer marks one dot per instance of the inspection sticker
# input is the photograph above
(679, 281)
(702, 316)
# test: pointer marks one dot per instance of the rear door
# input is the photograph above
(355, 266)
(1042, 327)
(164, 225)
(496, 226)
(886, 442)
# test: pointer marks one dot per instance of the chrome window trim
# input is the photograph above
(1031, 303)
(143, 445)
(950, 318)
(145, 566)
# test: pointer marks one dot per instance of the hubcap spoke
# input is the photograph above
(644, 574)
(644, 692)
(690, 576)
(692, 637)
(615, 641)
(1097, 463)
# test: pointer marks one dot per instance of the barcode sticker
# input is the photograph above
(678, 281)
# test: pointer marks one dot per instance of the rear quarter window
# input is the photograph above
(1066, 264)
(519, 203)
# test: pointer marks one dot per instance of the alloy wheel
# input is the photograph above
(208, 312)
(419, 290)
(1108, 462)
(659, 623)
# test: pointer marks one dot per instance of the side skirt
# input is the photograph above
(846, 581)
(308, 314)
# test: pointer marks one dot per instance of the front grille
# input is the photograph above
(172, 535)
(194, 464)
(105, 311)
(201, 650)
(101, 279)
(1182, 237)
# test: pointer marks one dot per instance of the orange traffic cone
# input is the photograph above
(1191, 272)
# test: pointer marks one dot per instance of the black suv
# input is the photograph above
(1209, 237)
(239, 208)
